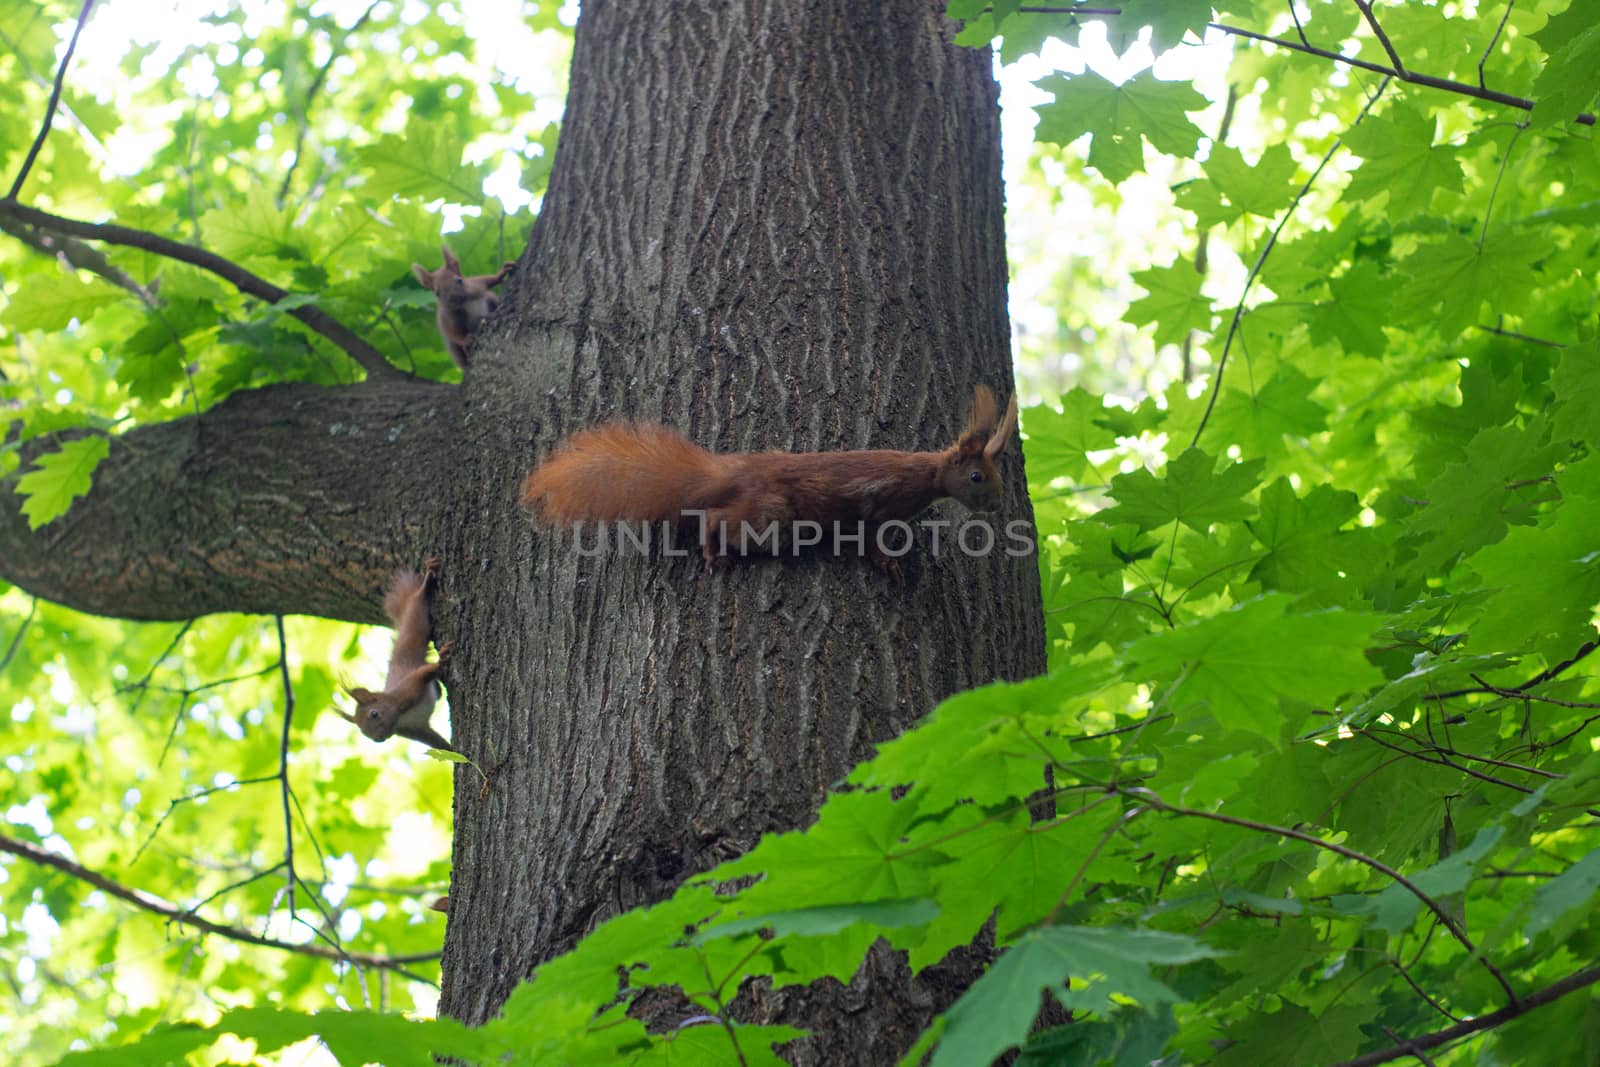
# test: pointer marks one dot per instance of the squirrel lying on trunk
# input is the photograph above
(644, 473)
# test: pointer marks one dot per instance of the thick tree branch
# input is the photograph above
(367, 357)
(152, 903)
(292, 499)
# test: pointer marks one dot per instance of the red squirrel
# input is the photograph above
(644, 473)
(412, 687)
(463, 302)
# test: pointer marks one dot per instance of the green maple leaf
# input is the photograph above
(1356, 312)
(1173, 302)
(1467, 501)
(1546, 579)
(1451, 279)
(1191, 491)
(1281, 408)
(424, 163)
(52, 301)
(58, 478)
(1577, 387)
(253, 229)
(1571, 889)
(1293, 1035)
(1399, 158)
(1263, 189)
(1307, 549)
(1059, 441)
(1118, 116)
(1570, 81)
(996, 1012)
(1168, 20)
(1245, 662)
(853, 852)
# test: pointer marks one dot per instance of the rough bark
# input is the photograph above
(287, 499)
(774, 225)
(771, 223)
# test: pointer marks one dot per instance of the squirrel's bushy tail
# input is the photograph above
(622, 471)
(403, 585)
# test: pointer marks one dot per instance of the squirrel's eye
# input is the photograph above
(374, 714)
(977, 476)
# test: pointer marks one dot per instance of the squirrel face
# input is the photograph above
(975, 481)
(374, 715)
(969, 473)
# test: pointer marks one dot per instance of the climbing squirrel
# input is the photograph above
(412, 687)
(645, 473)
(463, 302)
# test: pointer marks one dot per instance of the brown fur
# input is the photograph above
(411, 687)
(643, 473)
(463, 302)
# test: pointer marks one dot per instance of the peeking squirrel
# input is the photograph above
(412, 687)
(463, 302)
(644, 473)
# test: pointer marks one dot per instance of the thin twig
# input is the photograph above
(1538, 679)
(1521, 337)
(1489, 48)
(1494, 190)
(1411, 887)
(335, 49)
(1410, 77)
(16, 638)
(1383, 39)
(80, 256)
(50, 109)
(283, 762)
(1261, 261)
(319, 321)
(186, 917)
(1422, 1057)
(1517, 694)
(1411, 1046)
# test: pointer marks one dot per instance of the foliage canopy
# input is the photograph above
(1319, 726)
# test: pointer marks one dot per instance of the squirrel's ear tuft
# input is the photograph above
(361, 696)
(1002, 433)
(424, 275)
(980, 422)
(450, 259)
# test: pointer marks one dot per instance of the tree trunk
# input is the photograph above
(774, 225)
(771, 223)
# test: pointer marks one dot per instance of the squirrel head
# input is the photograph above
(446, 277)
(968, 472)
(375, 715)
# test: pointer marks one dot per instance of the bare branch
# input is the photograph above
(152, 903)
(80, 256)
(1410, 77)
(1383, 39)
(1489, 48)
(16, 638)
(1261, 261)
(1412, 1046)
(367, 357)
(50, 109)
(283, 760)
(336, 49)
(1439, 911)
